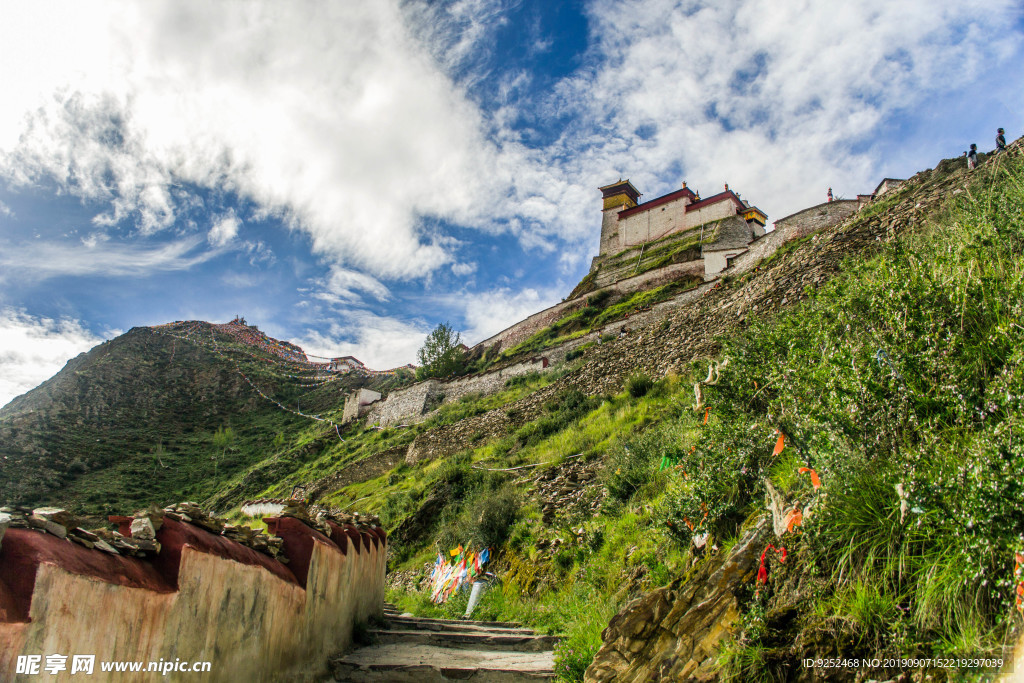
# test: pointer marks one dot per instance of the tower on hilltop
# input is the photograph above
(616, 197)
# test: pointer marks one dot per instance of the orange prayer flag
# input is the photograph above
(815, 481)
(780, 444)
(794, 519)
(707, 411)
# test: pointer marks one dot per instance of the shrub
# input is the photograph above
(599, 299)
(395, 508)
(635, 462)
(639, 384)
(522, 380)
(493, 517)
(485, 520)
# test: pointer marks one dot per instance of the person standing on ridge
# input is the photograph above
(1000, 141)
(830, 194)
(972, 158)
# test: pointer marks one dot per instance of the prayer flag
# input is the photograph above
(780, 444)
(815, 481)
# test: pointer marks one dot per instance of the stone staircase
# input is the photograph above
(422, 650)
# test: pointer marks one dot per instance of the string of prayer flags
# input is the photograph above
(762, 571)
(446, 578)
(794, 519)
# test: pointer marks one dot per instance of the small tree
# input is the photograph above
(221, 439)
(440, 355)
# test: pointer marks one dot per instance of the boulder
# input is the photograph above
(58, 515)
(143, 529)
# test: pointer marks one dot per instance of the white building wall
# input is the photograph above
(717, 261)
(653, 223)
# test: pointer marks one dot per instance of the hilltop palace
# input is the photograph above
(723, 224)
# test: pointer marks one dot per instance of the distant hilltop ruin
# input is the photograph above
(242, 332)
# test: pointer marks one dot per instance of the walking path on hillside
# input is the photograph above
(422, 650)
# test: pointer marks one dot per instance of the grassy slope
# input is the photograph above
(903, 371)
(134, 422)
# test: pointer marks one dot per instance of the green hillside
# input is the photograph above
(881, 358)
(899, 382)
(156, 416)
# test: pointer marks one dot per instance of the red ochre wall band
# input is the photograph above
(328, 585)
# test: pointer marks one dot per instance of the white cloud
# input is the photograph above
(224, 229)
(33, 349)
(6, 210)
(490, 312)
(328, 114)
(94, 238)
(37, 261)
(381, 342)
(463, 269)
(343, 286)
(353, 123)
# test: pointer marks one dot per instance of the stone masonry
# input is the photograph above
(673, 632)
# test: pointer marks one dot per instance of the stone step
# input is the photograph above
(473, 640)
(419, 624)
(416, 663)
(426, 621)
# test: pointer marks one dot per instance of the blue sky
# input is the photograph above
(348, 175)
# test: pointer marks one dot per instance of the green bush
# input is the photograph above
(485, 520)
(395, 508)
(522, 380)
(635, 463)
(639, 384)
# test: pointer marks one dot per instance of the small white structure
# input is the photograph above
(357, 403)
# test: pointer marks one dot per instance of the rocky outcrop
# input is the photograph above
(672, 633)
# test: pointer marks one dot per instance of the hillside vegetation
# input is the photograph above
(870, 376)
(899, 383)
(155, 417)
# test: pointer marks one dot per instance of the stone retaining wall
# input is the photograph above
(524, 329)
(202, 598)
(415, 403)
(404, 405)
(490, 382)
(815, 218)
